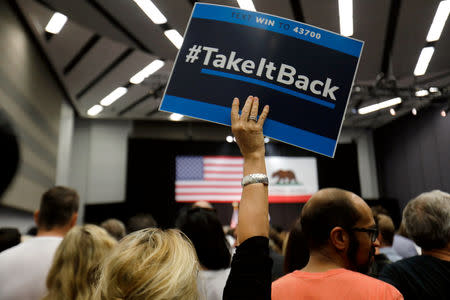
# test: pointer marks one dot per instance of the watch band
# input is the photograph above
(255, 178)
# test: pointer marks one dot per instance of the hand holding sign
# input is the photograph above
(247, 128)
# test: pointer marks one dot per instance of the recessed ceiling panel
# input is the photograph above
(413, 24)
(136, 93)
(86, 13)
(65, 45)
(441, 56)
(176, 12)
(142, 28)
(281, 8)
(117, 77)
(93, 63)
(323, 14)
(142, 109)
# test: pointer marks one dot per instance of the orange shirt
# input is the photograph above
(332, 284)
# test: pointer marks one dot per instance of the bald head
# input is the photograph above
(329, 208)
(203, 204)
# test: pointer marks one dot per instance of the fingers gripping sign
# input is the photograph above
(247, 128)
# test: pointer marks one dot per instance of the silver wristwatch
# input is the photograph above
(255, 178)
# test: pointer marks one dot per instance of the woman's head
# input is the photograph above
(205, 231)
(73, 273)
(150, 264)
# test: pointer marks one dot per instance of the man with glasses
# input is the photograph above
(342, 236)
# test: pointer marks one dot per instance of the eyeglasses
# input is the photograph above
(373, 232)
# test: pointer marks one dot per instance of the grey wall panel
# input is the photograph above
(99, 160)
(26, 105)
(29, 130)
(32, 99)
(10, 217)
(23, 193)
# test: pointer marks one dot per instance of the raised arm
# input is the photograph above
(253, 209)
(250, 275)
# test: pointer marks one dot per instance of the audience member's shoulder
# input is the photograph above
(282, 279)
(382, 289)
(415, 264)
(360, 282)
(287, 280)
(405, 263)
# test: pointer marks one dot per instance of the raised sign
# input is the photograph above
(303, 72)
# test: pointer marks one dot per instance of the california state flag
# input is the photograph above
(291, 179)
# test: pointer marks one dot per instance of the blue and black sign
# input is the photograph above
(303, 72)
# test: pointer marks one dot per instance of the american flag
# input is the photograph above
(208, 178)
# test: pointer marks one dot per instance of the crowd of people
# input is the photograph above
(339, 248)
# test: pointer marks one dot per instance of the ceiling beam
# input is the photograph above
(134, 104)
(297, 10)
(118, 25)
(391, 28)
(83, 51)
(99, 77)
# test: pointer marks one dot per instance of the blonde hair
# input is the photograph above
(150, 264)
(73, 273)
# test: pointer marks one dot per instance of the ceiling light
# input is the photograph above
(229, 139)
(439, 21)
(176, 117)
(56, 23)
(443, 113)
(113, 96)
(174, 37)
(378, 106)
(424, 60)
(414, 111)
(246, 4)
(392, 111)
(151, 11)
(433, 89)
(147, 71)
(346, 17)
(266, 140)
(422, 93)
(95, 110)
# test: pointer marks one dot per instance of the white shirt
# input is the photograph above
(24, 268)
(210, 283)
